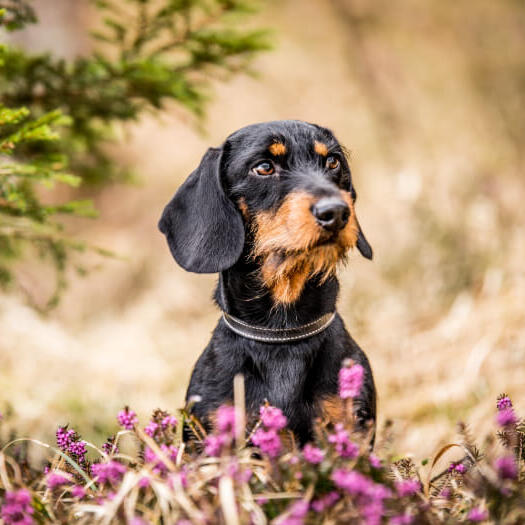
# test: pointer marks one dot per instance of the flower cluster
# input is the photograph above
(69, 441)
(127, 418)
(267, 438)
(350, 380)
(457, 467)
(332, 479)
(17, 509)
(343, 445)
(108, 472)
(368, 495)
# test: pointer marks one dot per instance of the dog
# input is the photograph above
(272, 211)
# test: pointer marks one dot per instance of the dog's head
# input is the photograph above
(281, 193)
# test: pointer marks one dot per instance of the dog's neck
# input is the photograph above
(240, 293)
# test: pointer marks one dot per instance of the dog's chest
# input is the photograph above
(282, 377)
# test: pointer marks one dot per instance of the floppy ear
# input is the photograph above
(204, 230)
(362, 244)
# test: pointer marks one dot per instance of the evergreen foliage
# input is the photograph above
(149, 53)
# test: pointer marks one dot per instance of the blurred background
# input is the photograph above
(430, 100)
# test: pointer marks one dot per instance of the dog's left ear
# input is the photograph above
(362, 244)
(204, 229)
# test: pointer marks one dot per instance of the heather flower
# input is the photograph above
(504, 403)
(159, 465)
(506, 417)
(127, 418)
(344, 447)
(457, 467)
(139, 521)
(369, 495)
(401, 519)
(17, 509)
(78, 448)
(144, 482)
(326, 501)
(151, 428)
(295, 515)
(351, 481)
(350, 381)
(268, 441)
(272, 417)
(109, 446)
(476, 515)
(168, 421)
(313, 454)
(64, 437)
(506, 467)
(226, 418)
(375, 462)
(108, 472)
(213, 445)
(78, 491)
(55, 480)
(407, 487)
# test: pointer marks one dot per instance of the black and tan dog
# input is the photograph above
(272, 211)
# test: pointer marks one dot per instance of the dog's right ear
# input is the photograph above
(204, 229)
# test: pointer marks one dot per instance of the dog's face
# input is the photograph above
(280, 192)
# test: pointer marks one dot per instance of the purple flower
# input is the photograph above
(151, 428)
(159, 466)
(127, 418)
(408, 487)
(369, 496)
(226, 418)
(78, 491)
(213, 445)
(344, 447)
(506, 467)
(144, 482)
(17, 509)
(401, 519)
(504, 403)
(324, 502)
(351, 481)
(64, 437)
(476, 515)
(78, 448)
(457, 467)
(295, 514)
(375, 462)
(350, 381)
(268, 441)
(168, 421)
(109, 447)
(272, 417)
(313, 454)
(108, 472)
(506, 417)
(139, 521)
(55, 480)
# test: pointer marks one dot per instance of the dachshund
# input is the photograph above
(272, 211)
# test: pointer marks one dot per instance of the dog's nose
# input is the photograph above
(331, 213)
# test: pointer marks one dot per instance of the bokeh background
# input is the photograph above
(429, 97)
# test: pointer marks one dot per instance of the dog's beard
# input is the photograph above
(292, 248)
(285, 275)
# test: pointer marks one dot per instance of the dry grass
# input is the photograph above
(440, 181)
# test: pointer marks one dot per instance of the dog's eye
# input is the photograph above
(332, 163)
(264, 168)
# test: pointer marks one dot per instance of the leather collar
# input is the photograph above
(278, 335)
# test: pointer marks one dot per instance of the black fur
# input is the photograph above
(206, 233)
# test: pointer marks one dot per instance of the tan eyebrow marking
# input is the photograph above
(277, 148)
(321, 148)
